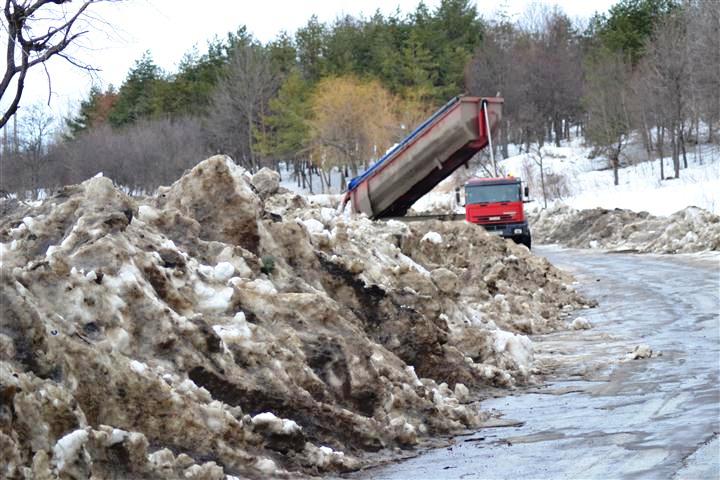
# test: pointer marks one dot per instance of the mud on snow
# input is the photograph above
(225, 328)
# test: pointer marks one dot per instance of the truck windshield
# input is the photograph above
(492, 193)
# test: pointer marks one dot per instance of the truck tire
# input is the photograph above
(526, 240)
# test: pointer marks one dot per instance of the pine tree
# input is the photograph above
(137, 95)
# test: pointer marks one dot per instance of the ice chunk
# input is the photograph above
(312, 225)
(270, 422)
(462, 393)
(580, 323)
(432, 237)
(67, 448)
(223, 271)
(517, 347)
(117, 436)
(233, 332)
(266, 465)
(138, 367)
(147, 213)
(213, 299)
(328, 214)
(262, 285)
(640, 351)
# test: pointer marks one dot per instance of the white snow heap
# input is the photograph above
(270, 422)
(515, 348)
(432, 237)
(688, 230)
(580, 323)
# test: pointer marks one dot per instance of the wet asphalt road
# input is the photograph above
(601, 415)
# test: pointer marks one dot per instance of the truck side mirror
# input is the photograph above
(527, 191)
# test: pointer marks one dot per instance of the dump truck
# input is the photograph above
(497, 204)
(444, 142)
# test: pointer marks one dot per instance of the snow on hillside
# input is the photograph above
(640, 187)
(588, 182)
(589, 185)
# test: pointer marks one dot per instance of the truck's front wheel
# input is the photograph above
(526, 240)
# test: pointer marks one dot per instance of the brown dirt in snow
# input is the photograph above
(142, 340)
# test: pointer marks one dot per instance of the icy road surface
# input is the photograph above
(601, 415)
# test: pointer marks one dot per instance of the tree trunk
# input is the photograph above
(661, 150)
(710, 131)
(682, 145)
(542, 182)
(698, 145)
(504, 134)
(675, 152)
(646, 136)
(615, 162)
(558, 131)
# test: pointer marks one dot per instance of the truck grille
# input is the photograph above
(492, 218)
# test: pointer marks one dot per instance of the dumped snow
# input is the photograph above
(643, 213)
(165, 334)
(689, 230)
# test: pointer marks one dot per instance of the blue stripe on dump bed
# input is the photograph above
(400, 146)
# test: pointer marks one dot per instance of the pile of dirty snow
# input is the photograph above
(227, 328)
(689, 230)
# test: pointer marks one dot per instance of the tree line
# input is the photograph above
(334, 96)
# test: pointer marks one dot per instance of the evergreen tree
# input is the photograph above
(94, 111)
(310, 42)
(288, 132)
(283, 54)
(137, 96)
(629, 24)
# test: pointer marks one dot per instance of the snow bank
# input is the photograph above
(689, 230)
(211, 323)
(586, 184)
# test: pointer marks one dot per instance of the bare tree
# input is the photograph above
(494, 70)
(240, 103)
(537, 155)
(139, 157)
(668, 76)
(606, 100)
(26, 163)
(36, 130)
(703, 51)
(536, 66)
(35, 31)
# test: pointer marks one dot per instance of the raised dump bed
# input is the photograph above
(444, 142)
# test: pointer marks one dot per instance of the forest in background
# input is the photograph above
(336, 95)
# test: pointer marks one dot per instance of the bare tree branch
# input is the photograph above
(31, 50)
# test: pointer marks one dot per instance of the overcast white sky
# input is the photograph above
(170, 28)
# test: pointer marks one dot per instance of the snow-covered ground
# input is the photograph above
(588, 184)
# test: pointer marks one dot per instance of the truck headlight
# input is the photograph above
(517, 230)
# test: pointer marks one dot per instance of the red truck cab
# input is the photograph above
(497, 205)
